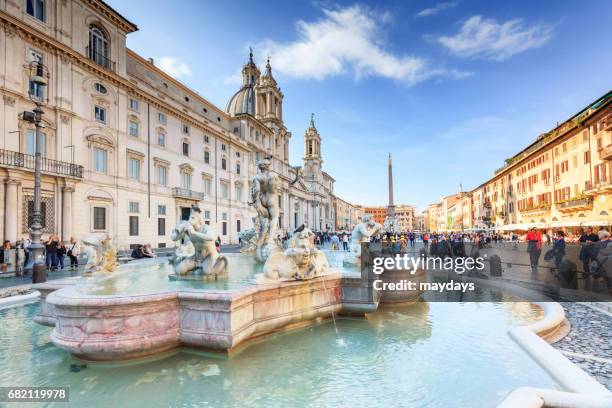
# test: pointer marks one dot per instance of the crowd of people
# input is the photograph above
(595, 247)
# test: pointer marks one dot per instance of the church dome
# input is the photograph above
(243, 101)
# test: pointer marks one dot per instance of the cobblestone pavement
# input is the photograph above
(589, 343)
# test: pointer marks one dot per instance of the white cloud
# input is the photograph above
(486, 38)
(174, 67)
(234, 79)
(347, 39)
(432, 11)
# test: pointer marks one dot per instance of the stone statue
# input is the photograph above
(361, 233)
(300, 261)
(264, 197)
(197, 252)
(101, 254)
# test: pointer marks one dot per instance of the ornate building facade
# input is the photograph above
(127, 149)
(561, 180)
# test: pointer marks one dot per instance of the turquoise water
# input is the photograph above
(423, 355)
(151, 276)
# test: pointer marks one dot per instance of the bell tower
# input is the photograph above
(312, 151)
(269, 97)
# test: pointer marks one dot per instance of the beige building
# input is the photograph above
(127, 148)
(403, 213)
(346, 215)
(562, 179)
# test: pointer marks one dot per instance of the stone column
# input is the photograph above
(10, 212)
(67, 212)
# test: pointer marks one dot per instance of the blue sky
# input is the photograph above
(451, 88)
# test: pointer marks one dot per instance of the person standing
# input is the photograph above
(73, 253)
(587, 239)
(5, 254)
(411, 239)
(60, 253)
(534, 247)
(345, 241)
(425, 240)
(26, 250)
(559, 249)
(51, 251)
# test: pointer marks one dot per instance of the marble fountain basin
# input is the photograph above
(138, 311)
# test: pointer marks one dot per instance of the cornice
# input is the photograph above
(108, 12)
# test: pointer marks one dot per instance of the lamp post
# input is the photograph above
(38, 75)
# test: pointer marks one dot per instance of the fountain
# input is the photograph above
(113, 318)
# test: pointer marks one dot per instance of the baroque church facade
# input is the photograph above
(127, 149)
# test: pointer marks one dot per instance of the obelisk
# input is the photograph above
(390, 207)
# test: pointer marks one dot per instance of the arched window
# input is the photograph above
(98, 49)
(223, 163)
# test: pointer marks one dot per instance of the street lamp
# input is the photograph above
(39, 76)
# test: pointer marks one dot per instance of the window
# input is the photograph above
(99, 218)
(36, 91)
(133, 128)
(161, 226)
(224, 163)
(161, 118)
(186, 180)
(98, 47)
(100, 88)
(100, 160)
(600, 173)
(587, 157)
(185, 128)
(206, 140)
(134, 104)
(237, 225)
(207, 215)
(133, 225)
(100, 114)
(223, 146)
(238, 193)
(162, 175)
(161, 209)
(31, 143)
(207, 185)
(237, 168)
(161, 139)
(206, 157)
(134, 169)
(186, 149)
(36, 8)
(225, 191)
(134, 207)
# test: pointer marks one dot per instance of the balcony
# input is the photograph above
(598, 187)
(48, 166)
(537, 209)
(178, 192)
(575, 204)
(100, 59)
(606, 152)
